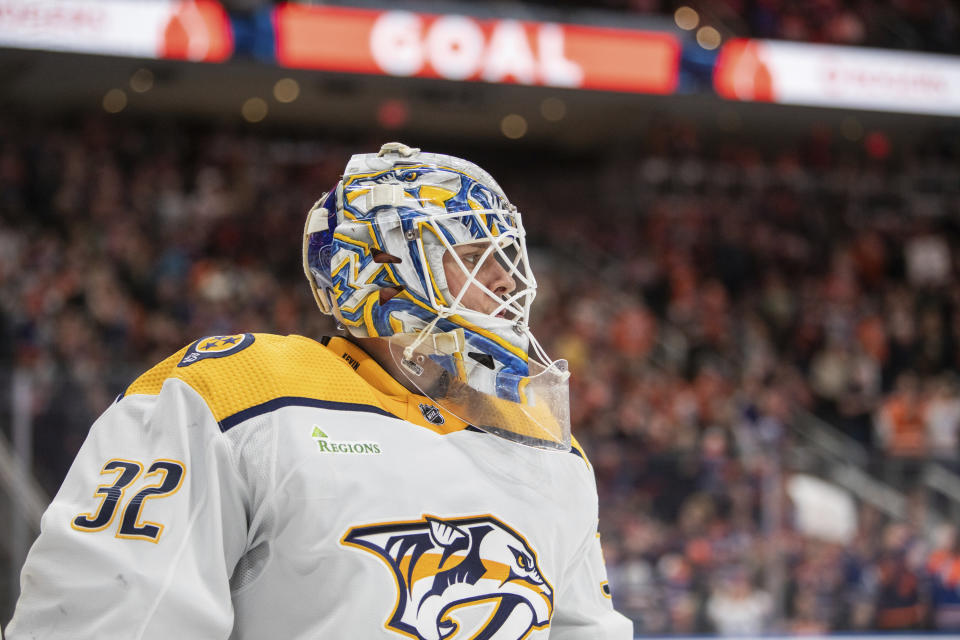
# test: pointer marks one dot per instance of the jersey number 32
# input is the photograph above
(169, 477)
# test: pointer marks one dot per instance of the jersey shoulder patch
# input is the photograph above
(236, 374)
(216, 347)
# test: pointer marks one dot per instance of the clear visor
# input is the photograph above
(540, 419)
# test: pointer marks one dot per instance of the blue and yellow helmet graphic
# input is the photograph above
(379, 250)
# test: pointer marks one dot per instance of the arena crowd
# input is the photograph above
(916, 25)
(705, 294)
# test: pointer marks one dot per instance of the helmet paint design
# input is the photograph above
(375, 250)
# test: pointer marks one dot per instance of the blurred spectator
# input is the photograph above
(942, 418)
(727, 296)
(899, 605)
(928, 260)
(737, 608)
(943, 566)
(900, 425)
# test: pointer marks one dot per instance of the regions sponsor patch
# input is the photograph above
(216, 347)
(328, 445)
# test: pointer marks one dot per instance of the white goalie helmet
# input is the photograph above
(377, 251)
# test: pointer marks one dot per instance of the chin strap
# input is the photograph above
(421, 335)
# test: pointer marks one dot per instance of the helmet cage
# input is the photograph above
(421, 297)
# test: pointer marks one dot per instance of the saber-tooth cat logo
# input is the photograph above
(471, 577)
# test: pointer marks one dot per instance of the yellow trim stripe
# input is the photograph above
(353, 195)
(395, 323)
(520, 389)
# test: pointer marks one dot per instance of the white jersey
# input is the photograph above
(257, 486)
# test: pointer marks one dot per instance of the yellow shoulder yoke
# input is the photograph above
(269, 368)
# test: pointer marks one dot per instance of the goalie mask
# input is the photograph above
(378, 250)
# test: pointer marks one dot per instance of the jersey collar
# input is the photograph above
(393, 396)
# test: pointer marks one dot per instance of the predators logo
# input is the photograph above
(459, 578)
(216, 347)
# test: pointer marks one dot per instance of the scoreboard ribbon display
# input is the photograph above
(457, 47)
(496, 50)
(196, 30)
(836, 76)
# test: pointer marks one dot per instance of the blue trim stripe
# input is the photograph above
(293, 401)
(474, 429)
